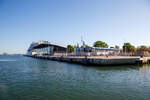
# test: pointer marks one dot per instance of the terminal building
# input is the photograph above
(45, 48)
(96, 51)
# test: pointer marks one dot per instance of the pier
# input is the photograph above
(97, 60)
(83, 55)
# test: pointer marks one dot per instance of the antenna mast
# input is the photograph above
(82, 41)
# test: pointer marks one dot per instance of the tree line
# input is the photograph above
(127, 47)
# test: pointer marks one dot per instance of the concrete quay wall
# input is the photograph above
(95, 60)
(114, 61)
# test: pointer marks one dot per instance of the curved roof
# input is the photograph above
(38, 45)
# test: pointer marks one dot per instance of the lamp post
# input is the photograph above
(125, 50)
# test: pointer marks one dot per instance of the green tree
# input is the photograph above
(100, 44)
(112, 47)
(70, 48)
(142, 48)
(127, 47)
(87, 46)
(117, 47)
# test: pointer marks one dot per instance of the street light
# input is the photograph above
(125, 49)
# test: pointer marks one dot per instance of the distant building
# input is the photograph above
(96, 51)
(5, 53)
(45, 48)
(83, 51)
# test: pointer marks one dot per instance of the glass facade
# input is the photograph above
(44, 51)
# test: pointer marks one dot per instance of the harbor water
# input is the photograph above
(26, 78)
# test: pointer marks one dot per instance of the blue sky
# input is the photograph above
(65, 21)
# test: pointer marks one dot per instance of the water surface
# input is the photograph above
(25, 78)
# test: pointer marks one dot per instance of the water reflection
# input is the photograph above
(145, 72)
(145, 68)
(117, 67)
(3, 88)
